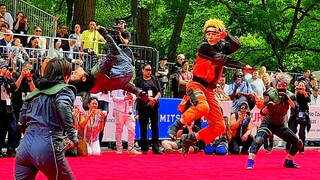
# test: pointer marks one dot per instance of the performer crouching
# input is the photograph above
(276, 104)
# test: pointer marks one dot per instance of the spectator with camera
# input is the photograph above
(24, 84)
(300, 116)
(91, 123)
(20, 26)
(240, 91)
(241, 126)
(7, 123)
(123, 36)
(7, 16)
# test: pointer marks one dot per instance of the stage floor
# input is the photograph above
(173, 166)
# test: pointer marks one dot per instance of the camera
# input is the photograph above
(23, 20)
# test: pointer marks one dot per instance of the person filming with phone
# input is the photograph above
(20, 26)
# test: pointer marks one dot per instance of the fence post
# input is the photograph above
(15, 8)
(155, 59)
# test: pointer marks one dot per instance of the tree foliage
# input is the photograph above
(274, 33)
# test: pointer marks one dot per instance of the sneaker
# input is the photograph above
(289, 164)
(144, 152)
(250, 164)
(119, 150)
(187, 141)
(134, 152)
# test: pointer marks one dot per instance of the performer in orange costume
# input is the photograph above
(208, 68)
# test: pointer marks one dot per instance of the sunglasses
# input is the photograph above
(38, 31)
(239, 76)
(148, 69)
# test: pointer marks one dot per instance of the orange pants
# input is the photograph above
(208, 107)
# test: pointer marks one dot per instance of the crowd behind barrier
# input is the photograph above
(35, 16)
(16, 55)
(168, 114)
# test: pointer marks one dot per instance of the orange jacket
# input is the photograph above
(211, 59)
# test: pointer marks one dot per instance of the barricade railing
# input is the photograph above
(34, 15)
(142, 54)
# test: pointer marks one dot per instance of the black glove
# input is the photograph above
(284, 96)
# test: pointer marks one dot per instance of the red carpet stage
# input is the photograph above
(173, 166)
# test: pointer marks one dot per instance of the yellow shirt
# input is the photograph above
(91, 40)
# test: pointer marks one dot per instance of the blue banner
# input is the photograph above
(168, 114)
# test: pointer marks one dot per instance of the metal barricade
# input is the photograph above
(35, 16)
(143, 55)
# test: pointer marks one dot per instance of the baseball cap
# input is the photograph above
(72, 36)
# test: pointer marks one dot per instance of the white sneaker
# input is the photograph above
(119, 151)
(134, 152)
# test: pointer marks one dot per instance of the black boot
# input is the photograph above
(138, 92)
(11, 152)
(187, 141)
(174, 128)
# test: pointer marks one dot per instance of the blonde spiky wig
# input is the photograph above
(216, 23)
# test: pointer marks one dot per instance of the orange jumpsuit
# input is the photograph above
(207, 70)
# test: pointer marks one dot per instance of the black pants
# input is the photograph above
(268, 145)
(7, 124)
(235, 143)
(144, 116)
(279, 130)
(293, 125)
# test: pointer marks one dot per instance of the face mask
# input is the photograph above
(282, 90)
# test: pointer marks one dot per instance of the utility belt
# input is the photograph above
(203, 82)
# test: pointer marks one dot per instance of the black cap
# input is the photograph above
(121, 21)
(165, 57)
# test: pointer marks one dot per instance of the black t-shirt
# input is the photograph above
(125, 35)
(151, 85)
(18, 94)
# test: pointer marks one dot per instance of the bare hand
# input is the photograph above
(244, 138)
